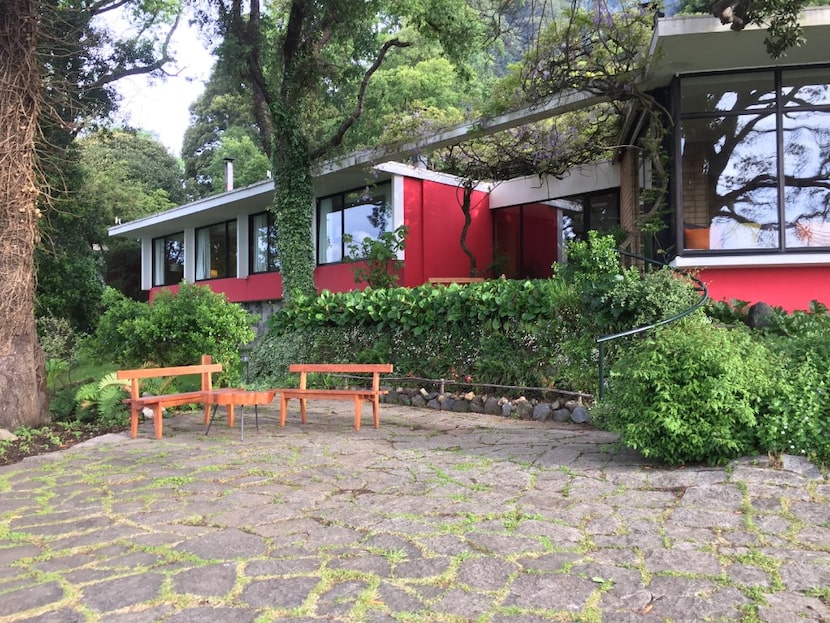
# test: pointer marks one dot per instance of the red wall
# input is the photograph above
(789, 287)
(433, 247)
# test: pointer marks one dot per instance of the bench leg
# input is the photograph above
(230, 416)
(302, 410)
(283, 408)
(133, 421)
(157, 419)
(376, 412)
(358, 411)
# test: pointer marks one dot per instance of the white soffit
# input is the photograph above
(535, 189)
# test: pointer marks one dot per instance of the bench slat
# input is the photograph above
(341, 367)
(303, 393)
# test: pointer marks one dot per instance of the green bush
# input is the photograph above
(175, 329)
(689, 392)
(796, 418)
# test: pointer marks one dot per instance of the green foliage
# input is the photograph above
(56, 337)
(102, 400)
(378, 257)
(70, 283)
(796, 417)
(689, 392)
(176, 329)
(497, 331)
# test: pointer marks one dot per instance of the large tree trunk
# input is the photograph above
(22, 379)
(293, 204)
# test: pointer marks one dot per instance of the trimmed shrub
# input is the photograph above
(175, 329)
(689, 392)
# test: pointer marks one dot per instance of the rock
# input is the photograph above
(469, 396)
(405, 400)
(492, 406)
(434, 404)
(446, 402)
(393, 397)
(477, 405)
(7, 435)
(461, 406)
(524, 409)
(423, 392)
(580, 415)
(760, 316)
(506, 408)
(418, 401)
(541, 412)
(562, 415)
(556, 404)
(570, 404)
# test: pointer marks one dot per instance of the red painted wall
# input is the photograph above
(433, 247)
(789, 287)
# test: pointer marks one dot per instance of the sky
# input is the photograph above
(161, 107)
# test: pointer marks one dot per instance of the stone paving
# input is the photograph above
(435, 517)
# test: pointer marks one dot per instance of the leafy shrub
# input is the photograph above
(175, 329)
(102, 400)
(796, 418)
(57, 337)
(378, 257)
(689, 392)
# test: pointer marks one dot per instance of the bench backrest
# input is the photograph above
(376, 369)
(205, 369)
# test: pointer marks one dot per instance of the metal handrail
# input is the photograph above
(700, 287)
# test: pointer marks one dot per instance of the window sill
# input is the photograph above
(753, 260)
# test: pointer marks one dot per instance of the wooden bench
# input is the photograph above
(438, 281)
(138, 402)
(359, 396)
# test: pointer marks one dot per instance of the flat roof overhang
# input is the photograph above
(701, 44)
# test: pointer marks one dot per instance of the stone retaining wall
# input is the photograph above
(557, 410)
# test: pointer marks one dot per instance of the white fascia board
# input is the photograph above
(485, 126)
(407, 170)
(750, 261)
(134, 228)
(535, 189)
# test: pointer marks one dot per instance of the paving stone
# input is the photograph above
(550, 591)
(225, 615)
(340, 599)
(283, 593)
(421, 568)
(487, 573)
(30, 597)
(288, 566)
(64, 615)
(216, 580)
(464, 603)
(121, 592)
(228, 544)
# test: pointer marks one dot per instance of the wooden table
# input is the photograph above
(230, 398)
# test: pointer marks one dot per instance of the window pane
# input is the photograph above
(263, 243)
(806, 172)
(230, 267)
(727, 93)
(158, 262)
(729, 182)
(173, 259)
(203, 253)
(330, 227)
(805, 88)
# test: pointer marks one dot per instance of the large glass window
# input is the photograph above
(754, 161)
(263, 243)
(360, 214)
(168, 259)
(216, 251)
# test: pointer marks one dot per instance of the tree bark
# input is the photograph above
(22, 374)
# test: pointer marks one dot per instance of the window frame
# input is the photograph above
(170, 277)
(382, 190)
(778, 111)
(272, 263)
(231, 249)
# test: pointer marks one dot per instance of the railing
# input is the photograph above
(700, 287)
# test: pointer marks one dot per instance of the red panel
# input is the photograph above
(790, 287)
(413, 217)
(442, 224)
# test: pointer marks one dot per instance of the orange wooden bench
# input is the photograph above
(359, 396)
(138, 402)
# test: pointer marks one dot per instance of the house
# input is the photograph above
(748, 203)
